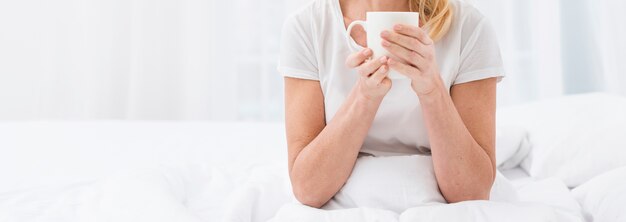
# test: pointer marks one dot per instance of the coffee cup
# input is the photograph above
(375, 23)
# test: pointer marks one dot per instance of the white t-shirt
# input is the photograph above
(314, 46)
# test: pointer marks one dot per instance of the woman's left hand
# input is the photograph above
(416, 50)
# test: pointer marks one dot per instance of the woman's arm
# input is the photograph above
(461, 128)
(461, 125)
(321, 157)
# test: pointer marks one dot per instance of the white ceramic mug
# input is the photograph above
(375, 24)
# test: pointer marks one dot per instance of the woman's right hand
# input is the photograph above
(373, 83)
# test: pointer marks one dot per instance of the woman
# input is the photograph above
(340, 105)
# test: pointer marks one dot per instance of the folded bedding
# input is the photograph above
(512, 146)
(52, 153)
(603, 198)
(206, 172)
(465, 211)
(255, 193)
(574, 138)
(398, 197)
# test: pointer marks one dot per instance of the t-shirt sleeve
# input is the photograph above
(480, 54)
(297, 52)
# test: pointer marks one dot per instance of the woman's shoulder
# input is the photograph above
(467, 21)
(465, 12)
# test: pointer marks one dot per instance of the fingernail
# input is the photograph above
(397, 27)
(384, 33)
(385, 43)
(383, 68)
(367, 52)
(391, 61)
(383, 59)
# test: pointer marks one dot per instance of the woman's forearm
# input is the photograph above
(463, 169)
(325, 164)
(463, 166)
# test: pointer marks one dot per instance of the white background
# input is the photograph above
(216, 60)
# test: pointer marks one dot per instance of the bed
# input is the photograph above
(562, 159)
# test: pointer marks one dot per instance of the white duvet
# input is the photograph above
(60, 168)
(252, 193)
(261, 191)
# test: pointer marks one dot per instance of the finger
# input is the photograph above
(405, 41)
(402, 68)
(408, 42)
(356, 59)
(410, 56)
(379, 75)
(414, 31)
(367, 68)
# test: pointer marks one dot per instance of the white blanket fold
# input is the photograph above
(262, 192)
(410, 181)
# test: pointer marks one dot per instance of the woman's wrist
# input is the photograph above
(366, 97)
(359, 110)
(434, 94)
(367, 102)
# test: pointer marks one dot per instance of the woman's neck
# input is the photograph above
(355, 9)
(386, 5)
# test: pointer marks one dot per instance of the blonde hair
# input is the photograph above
(435, 15)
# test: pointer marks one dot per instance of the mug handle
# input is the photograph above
(349, 30)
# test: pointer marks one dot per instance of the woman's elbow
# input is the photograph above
(461, 196)
(309, 198)
(309, 192)
(459, 193)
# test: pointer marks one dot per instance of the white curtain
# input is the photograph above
(215, 60)
(611, 38)
(141, 59)
(559, 47)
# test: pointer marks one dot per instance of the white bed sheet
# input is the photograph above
(517, 176)
(89, 171)
(38, 154)
(251, 193)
